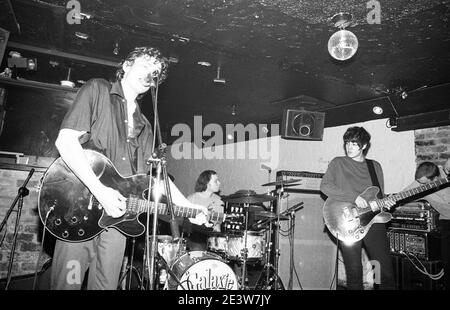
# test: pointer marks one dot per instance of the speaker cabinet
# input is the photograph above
(302, 125)
(413, 279)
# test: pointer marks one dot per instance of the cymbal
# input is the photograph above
(248, 197)
(282, 182)
(271, 215)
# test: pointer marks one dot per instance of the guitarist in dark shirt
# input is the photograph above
(345, 179)
(107, 117)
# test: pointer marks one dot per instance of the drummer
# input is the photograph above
(206, 189)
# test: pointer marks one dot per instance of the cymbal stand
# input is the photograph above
(277, 235)
(130, 268)
(269, 248)
(244, 251)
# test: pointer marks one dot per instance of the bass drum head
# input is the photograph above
(200, 270)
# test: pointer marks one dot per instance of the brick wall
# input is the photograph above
(29, 236)
(432, 144)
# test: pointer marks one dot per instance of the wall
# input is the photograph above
(313, 250)
(29, 235)
(433, 144)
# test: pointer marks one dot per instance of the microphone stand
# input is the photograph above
(161, 167)
(22, 192)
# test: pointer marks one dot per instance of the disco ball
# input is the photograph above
(342, 45)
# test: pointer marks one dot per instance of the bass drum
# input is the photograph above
(200, 270)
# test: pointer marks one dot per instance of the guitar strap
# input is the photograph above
(374, 177)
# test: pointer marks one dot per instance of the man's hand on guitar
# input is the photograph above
(202, 217)
(361, 202)
(111, 201)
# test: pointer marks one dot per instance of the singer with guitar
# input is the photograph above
(344, 181)
(106, 117)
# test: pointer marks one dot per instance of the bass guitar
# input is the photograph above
(349, 223)
(71, 213)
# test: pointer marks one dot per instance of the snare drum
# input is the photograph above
(255, 246)
(218, 244)
(200, 270)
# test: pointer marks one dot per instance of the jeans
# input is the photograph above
(376, 244)
(102, 255)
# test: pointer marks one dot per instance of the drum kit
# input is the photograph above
(224, 266)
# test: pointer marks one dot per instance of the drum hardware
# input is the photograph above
(167, 250)
(248, 197)
(283, 182)
(162, 265)
(291, 212)
(271, 215)
(244, 251)
(129, 268)
(275, 220)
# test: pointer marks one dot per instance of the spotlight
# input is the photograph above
(116, 47)
(233, 109)
(377, 110)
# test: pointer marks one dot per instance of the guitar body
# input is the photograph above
(77, 216)
(349, 223)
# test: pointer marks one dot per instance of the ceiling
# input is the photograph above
(272, 55)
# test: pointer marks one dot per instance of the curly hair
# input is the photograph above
(145, 51)
(358, 135)
(203, 180)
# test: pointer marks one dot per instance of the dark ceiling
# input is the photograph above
(272, 54)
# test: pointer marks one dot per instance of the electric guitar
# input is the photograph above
(71, 213)
(349, 223)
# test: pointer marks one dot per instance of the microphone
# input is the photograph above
(150, 79)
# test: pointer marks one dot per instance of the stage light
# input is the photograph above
(377, 110)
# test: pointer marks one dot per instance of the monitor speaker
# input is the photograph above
(302, 125)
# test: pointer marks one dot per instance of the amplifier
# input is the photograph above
(235, 222)
(310, 180)
(423, 245)
(417, 216)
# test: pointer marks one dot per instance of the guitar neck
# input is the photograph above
(414, 191)
(141, 205)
